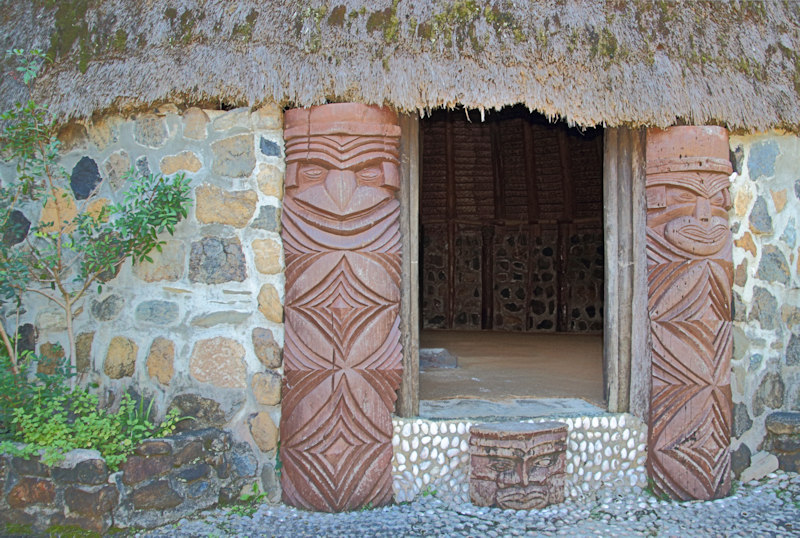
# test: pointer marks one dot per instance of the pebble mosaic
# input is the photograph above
(603, 452)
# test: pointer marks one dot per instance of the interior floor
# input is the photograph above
(499, 366)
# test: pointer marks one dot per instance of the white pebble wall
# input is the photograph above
(432, 457)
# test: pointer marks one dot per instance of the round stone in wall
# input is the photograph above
(219, 361)
(109, 308)
(121, 358)
(84, 178)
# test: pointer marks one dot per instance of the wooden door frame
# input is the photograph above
(626, 356)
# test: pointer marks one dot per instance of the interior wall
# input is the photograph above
(511, 224)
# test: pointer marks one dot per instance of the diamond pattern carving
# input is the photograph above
(342, 352)
(690, 275)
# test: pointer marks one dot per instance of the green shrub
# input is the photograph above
(74, 419)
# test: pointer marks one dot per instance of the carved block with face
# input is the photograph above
(517, 465)
(342, 174)
(689, 212)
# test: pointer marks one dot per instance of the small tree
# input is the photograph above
(63, 260)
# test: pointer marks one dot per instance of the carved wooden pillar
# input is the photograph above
(690, 276)
(342, 352)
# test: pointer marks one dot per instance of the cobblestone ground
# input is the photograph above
(770, 507)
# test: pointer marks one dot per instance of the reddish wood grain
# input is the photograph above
(690, 278)
(342, 352)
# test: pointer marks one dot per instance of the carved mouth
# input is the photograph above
(695, 237)
(522, 498)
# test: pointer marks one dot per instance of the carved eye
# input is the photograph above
(545, 461)
(501, 466)
(371, 174)
(312, 173)
(718, 199)
(680, 196)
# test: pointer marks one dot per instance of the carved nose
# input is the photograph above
(340, 185)
(523, 474)
(702, 211)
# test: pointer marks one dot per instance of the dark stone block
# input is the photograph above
(760, 219)
(193, 473)
(761, 162)
(31, 467)
(91, 503)
(769, 394)
(91, 472)
(773, 266)
(85, 177)
(26, 338)
(214, 261)
(157, 312)
(741, 420)
(205, 411)
(137, 468)
(222, 465)
(269, 219)
(269, 148)
(783, 423)
(436, 358)
(737, 159)
(764, 308)
(740, 459)
(30, 491)
(156, 496)
(142, 166)
(16, 228)
(793, 350)
(789, 462)
(197, 489)
(107, 309)
(190, 453)
(153, 447)
(786, 444)
(244, 462)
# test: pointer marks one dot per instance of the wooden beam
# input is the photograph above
(408, 395)
(564, 229)
(451, 215)
(566, 176)
(640, 383)
(497, 172)
(626, 366)
(611, 327)
(531, 179)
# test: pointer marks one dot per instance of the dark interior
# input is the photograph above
(511, 220)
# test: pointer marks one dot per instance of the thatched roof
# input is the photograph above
(616, 62)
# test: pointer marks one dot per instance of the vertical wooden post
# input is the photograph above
(626, 366)
(564, 232)
(530, 173)
(451, 224)
(408, 395)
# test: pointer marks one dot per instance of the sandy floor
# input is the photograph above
(497, 366)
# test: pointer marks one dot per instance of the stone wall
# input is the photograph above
(164, 481)
(201, 327)
(603, 452)
(766, 310)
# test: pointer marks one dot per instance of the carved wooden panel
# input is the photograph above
(342, 352)
(690, 275)
(517, 465)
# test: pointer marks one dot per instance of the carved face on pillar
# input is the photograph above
(518, 473)
(342, 169)
(690, 213)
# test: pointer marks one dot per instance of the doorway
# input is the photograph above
(511, 256)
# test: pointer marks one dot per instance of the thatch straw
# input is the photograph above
(609, 63)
